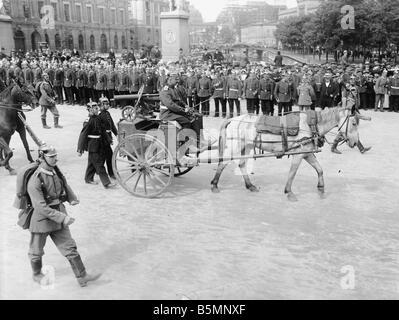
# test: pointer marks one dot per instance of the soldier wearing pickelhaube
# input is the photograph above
(110, 128)
(94, 139)
(48, 190)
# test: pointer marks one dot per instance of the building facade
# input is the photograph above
(146, 19)
(261, 34)
(87, 25)
(304, 7)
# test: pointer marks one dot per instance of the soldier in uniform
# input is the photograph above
(94, 139)
(318, 80)
(149, 82)
(174, 109)
(110, 128)
(394, 91)
(233, 93)
(58, 83)
(266, 87)
(284, 92)
(92, 82)
(135, 80)
(37, 74)
(350, 98)
(68, 79)
(48, 190)
(204, 88)
(219, 91)
(112, 83)
(251, 91)
(48, 102)
(191, 88)
(125, 84)
(27, 73)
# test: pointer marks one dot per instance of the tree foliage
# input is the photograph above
(376, 26)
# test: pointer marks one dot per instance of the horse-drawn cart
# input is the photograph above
(147, 157)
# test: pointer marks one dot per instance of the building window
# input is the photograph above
(101, 15)
(122, 17)
(78, 13)
(147, 6)
(57, 41)
(123, 42)
(148, 20)
(156, 20)
(40, 5)
(81, 43)
(55, 8)
(156, 7)
(67, 12)
(113, 16)
(116, 42)
(92, 43)
(89, 14)
(26, 9)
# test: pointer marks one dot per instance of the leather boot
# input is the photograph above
(362, 149)
(37, 270)
(44, 123)
(334, 146)
(56, 125)
(80, 272)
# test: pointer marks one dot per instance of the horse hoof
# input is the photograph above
(215, 189)
(13, 172)
(291, 197)
(253, 189)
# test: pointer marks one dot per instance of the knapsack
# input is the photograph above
(22, 200)
(38, 90)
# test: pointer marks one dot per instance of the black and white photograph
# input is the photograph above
(199, 150)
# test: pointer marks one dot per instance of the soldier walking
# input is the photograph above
(47, 101)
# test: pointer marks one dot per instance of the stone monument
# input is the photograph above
(6, 32)
(174, 30)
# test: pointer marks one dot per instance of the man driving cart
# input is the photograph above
(174, 109)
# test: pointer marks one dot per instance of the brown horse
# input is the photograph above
(238, 137)
(11, 100)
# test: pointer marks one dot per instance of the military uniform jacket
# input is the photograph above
(37, 75)
(305, 94)
(134, 82)
(102, 82)
(394, 86)
(68, 79)
(28, 76)
(351, 94)
(251, 88)
(46, 219)
(362, 84)
(125, 83)
(108, 123)
(171, 107)
(112, 80)
(93, 137)
(149, 83)
(81, 81)
(204, 87)
(191, 85)
(91, 84)
(219, 87)
(162, 81)
(381, 85)
(233, 88)
(266, 87)
(47, 94)
(284, 91)
(59, 77)
(51, 75)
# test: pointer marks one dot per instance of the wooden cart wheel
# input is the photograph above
(129, 113)
(141, 163)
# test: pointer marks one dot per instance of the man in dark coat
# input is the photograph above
(95, 139)
(328, 92)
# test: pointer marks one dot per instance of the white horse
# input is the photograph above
(238, 137)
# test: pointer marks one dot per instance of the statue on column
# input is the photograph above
(178, 5)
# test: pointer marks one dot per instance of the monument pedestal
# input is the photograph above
(174, 29)
(6, 34)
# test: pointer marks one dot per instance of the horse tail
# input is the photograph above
(223, 139)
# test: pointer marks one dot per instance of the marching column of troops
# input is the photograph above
(266, 88)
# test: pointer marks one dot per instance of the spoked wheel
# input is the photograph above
(129, 113)
(143, 165)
